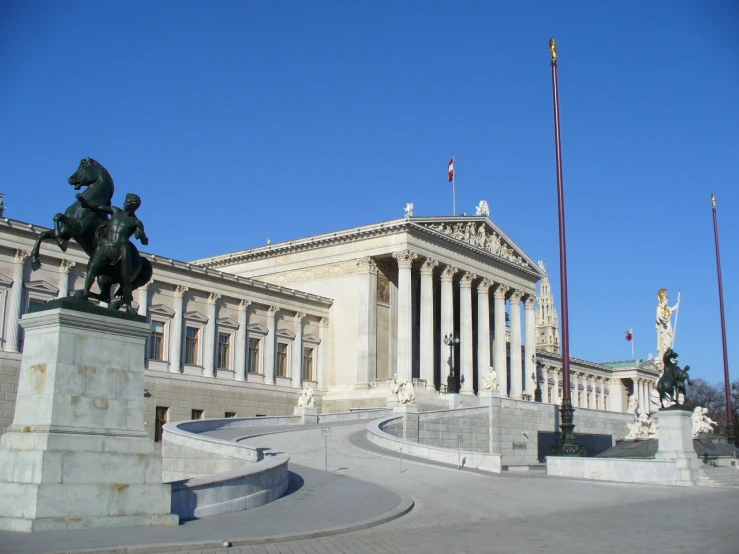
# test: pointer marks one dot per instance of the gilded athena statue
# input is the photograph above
(665, 337)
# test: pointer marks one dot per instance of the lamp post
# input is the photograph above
(537, 378)
(567, 446)
(451, 382)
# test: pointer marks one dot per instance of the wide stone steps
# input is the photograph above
(720, 477)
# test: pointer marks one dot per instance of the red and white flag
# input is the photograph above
(629, 334)
(451, 169)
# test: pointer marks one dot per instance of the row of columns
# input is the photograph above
(404, 360)
(643, 388)
(578, 379)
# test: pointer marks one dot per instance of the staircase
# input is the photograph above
(720, 477)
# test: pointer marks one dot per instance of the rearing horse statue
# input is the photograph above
(672, 382)
(79, 222)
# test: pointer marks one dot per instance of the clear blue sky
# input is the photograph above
(286, 119)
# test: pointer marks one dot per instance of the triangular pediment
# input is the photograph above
(42, 287)
(480, 233)
(285, 334)
(161, 309)
(5, 281)
(227, 322)
(257, 328)
(196, 317)
(312, 339)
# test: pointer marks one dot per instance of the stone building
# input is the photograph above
(239, 334)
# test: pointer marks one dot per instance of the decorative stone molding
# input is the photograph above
(367, 264)
(243, 305)
(272, 310)
(298, 317)
(257, 329)
(448, 273)
(516, 296)
(428, 266)
(529, 302)
(501, 291)
(161, 310)
(467, 278)
(213, 297)
(66, 265)
(405, 258)
(484, 285)
(285, 334)
(42, 287)
(227, 322)
(20, 256)
(324, 321)
(180, 291)
(196, 317)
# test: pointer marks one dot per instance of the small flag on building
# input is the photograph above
(451, 169)
(629, 334)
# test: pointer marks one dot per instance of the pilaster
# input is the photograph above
(516, 367)
(324, 351)
(209, 342)
(269, 345)
(367, 322)
(242, 340)
(405, 332)
(499, 355)
(175, 344)
(297, 350)
(427, 322)
(465, 335)
(530, 346)
(483, 330)
(142, 294)
(64, 267)
(15, 300)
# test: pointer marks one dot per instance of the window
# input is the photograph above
(197, 414)
(191, 346)
(162, 415)
(253, 356)
(281, 359)
(230, 414)
(307, 364)
(549, 396)
(223, 361)
(156, 342)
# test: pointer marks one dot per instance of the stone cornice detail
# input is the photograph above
(65, 265)
(243, 305)
(467, 278)
(405, 258)
(516, 296)
(501, 291)
(448, 273)
(428, 266)
(272, 310)
(324, 321)
(367, 264)
(298, 317)
(20, 256)
(484, 286)
(213, 297)
(528, 304)
(180, 291)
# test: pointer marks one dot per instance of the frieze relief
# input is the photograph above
(478, 236)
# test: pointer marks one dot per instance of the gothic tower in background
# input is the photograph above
(547, 322)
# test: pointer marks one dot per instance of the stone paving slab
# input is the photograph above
(316, 503)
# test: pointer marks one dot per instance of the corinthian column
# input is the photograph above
(323, 351)
(465, 334)
(516, 366)
(530, 347)
(297, 354)
(143, 298)
(242, 335)
(483, 330)
(269, 345)
(405, 332)
(499, 355)
(15, 297)
(447, 322)
(367, 326)
(427, 321)
(64, 267)
(209, 341)
(175, 344)
(555, 386)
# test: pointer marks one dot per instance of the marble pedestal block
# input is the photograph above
(77, 454)
(307, 415)
(453, 399)
(485, 397)
(676, 444)
(409, 413)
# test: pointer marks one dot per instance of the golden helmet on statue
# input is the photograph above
(662, 294)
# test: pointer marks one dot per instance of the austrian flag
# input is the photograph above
(451, 169)
(629, 334)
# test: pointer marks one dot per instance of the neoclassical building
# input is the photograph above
(239, 334)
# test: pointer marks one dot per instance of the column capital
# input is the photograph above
(428, 266)
(66, 265)
(467, 278)
(324, 321)
(272, 310)
(448, 273)
(516, 296)
(484, 286)
(180, 290)
(529, 302)
(298, 317)
(405, 258)
(213, 297)
(367, 264)
(20, 256)
(243, 304)
(501, 291)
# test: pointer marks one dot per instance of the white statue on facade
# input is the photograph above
(490, 380)
(665, 336)
(305, 399)
(633, 405)
(482, 208)
(654, 405)
(403, 390)
(409, 209)
(643, 428)
(701, 422)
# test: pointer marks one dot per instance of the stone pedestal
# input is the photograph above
(453, 399)
(307, 415)
(77, 454)
(676, 444)
(392, 401)
(486, 396)
(409, 413)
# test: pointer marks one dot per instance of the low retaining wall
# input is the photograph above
(620, 470)
(477, 460)
(231, 491)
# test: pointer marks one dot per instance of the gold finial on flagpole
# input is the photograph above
(713, 200)
(553, 48)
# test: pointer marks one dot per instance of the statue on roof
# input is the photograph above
(482, 208)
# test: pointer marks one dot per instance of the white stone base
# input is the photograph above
(307, 415)
(77, 454)
(453, 399)
(486, 396)
(676, 445)
(403, 409)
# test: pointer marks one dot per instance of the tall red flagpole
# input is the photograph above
(567, 444)
(727, 380)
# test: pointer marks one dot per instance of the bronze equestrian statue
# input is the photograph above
(114, 260)
(672, 382)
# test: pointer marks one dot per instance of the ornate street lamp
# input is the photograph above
(451, 382)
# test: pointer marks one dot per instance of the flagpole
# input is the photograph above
(727, 380)
(677, 313)
(454, 186)
(632, 346)
(567, 446)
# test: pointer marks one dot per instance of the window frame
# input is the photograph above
(198, 346)
(258, 332)
(286, 358)
(229, 351)
(194, 320)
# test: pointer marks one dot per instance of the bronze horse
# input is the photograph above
(82, 224)
(672, 382)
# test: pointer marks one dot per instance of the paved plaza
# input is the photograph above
(455, 511)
